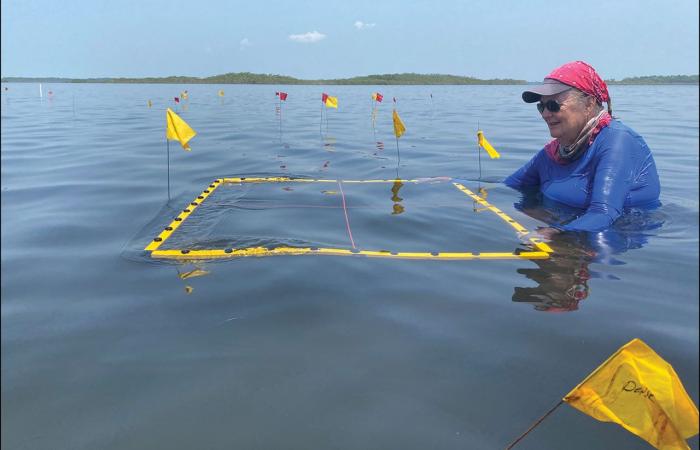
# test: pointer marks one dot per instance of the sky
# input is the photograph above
(312, 39)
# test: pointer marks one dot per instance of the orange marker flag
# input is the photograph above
(178, 130)
(486, 145)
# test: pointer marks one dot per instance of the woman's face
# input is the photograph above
(572, 116)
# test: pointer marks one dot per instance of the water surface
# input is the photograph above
(103, 347)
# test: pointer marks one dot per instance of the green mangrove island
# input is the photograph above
(385, 79)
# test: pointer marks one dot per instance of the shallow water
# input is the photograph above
(103, 347)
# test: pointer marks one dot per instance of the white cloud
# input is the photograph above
(307, 38)
(245, 43)
(362, 25)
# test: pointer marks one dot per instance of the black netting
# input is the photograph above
(394, 216)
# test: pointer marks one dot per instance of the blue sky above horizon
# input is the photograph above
(334, 39)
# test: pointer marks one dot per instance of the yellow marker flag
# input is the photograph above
(641, 392)
(150, 104)
(221, 93)
(399, 128)
(486, 145)
(177, 129)
(332, 102)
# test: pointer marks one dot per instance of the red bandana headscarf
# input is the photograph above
(583, 77)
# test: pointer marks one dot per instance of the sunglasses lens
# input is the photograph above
(551, 105)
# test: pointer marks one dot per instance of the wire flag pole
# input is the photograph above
(167, 145)
(532, 427)
(478, 149)
(398, 158)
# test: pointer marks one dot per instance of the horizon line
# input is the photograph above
(4, 77)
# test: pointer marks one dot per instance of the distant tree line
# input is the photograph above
(255, 78)
(385, 79)
(657, 79)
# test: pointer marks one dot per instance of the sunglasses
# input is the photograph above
(550, 105)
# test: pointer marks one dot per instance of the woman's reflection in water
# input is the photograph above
(563, 278)
(397, 206)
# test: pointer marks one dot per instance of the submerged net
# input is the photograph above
(396, 216)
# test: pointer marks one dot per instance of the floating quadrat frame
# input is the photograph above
(541, 249)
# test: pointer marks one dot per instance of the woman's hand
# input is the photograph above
(548, 232)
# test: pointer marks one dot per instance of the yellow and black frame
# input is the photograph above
(540, 249)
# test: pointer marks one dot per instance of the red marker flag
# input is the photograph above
(324, 97)
(177, 100)
(377, 97)
(281, 95)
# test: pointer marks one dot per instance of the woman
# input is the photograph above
(595, 162)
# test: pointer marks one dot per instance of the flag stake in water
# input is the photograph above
(486, 145)
(432, 107)
(176, 129)
(167, 145)
(328, 102)
(282, 97)
(374, 103)
(323, 102)
(532, 427)
(478, 148)
(638, 390)
(399, 130)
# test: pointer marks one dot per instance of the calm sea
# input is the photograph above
(105, 348)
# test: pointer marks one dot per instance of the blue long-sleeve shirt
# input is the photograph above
(615, 172)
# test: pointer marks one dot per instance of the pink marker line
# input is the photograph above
(347, 220)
